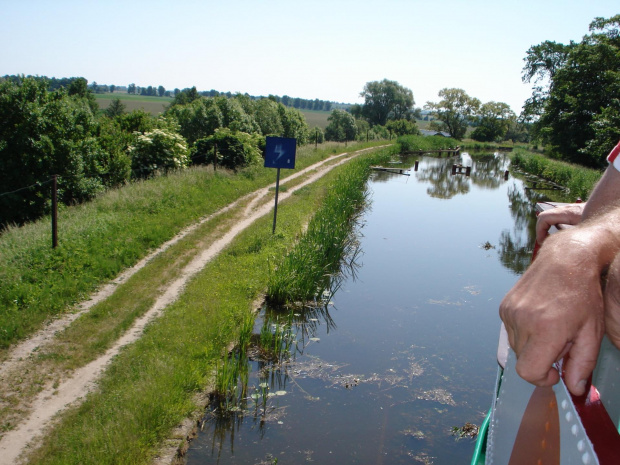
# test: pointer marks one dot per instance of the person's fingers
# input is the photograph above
(543, 224)
(569, 214)
(582, 357)
(535, 363)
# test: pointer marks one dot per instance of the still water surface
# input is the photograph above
(405, 350)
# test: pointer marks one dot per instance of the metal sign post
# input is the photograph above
(279, 153)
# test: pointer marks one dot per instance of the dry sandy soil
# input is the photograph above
(56, 396)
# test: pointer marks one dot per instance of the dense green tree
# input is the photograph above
(234, 149)
(454, 111)
(234, 116)
(495, 118)
(131, 88)
(45, 133)
(198, 119)
(341, 126)
(79, 89)
(385, 100)
(571, 115)
(402, 127)
(293, 124)
(267, 116)
(161, 90)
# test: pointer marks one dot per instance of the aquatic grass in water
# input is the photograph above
(276, 338)
(307, 271)
(232, 373)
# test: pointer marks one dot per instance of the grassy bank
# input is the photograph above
(99, 239)
(151, 385)
(577, 179)
(416, 143)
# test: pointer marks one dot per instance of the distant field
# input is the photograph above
(316, 118)
(152, 105)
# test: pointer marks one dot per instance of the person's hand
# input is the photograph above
(565, 214)
(555, 311)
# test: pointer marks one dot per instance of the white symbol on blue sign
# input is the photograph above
(280, 152)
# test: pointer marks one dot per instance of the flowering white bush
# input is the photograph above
(159, 149)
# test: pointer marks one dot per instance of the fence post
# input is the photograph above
(54, 212)
(215, 156)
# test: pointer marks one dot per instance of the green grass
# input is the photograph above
(100, 238)
(150, 386)
(578, 180)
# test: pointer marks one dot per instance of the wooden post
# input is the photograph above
(468, 171)
(275, 210)
(215, 156)
(54, 212)
(416, 165)
(453, 169)
(506, 175)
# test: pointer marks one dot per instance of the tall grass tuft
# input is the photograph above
(578, 180)
(306, 271)
(233, 372)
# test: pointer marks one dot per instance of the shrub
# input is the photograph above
(156, 150)
(235, 149)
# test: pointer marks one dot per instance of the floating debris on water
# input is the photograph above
(468, 430)
(438, 395)
(487, 246)
(472, 290)
(413, 433)
(444, 302)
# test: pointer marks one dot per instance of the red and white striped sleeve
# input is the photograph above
(614, 157)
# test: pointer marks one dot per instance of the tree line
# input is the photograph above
(575, 104)
(62, 132)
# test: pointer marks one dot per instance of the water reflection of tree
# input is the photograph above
(444, 185)
(488, 170)
(516, 246)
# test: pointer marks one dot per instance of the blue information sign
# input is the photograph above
(280, 152)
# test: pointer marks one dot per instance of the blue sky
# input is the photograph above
(309, 49)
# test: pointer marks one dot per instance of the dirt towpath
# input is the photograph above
(55, 397)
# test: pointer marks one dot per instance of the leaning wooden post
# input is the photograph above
(54, 212)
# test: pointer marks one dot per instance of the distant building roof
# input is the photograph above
(426, 132)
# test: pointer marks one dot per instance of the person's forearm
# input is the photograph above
(600, 233)
(605, 194)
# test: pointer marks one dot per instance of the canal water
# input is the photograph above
(404, 352)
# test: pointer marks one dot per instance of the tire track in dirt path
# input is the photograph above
(52, 400)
